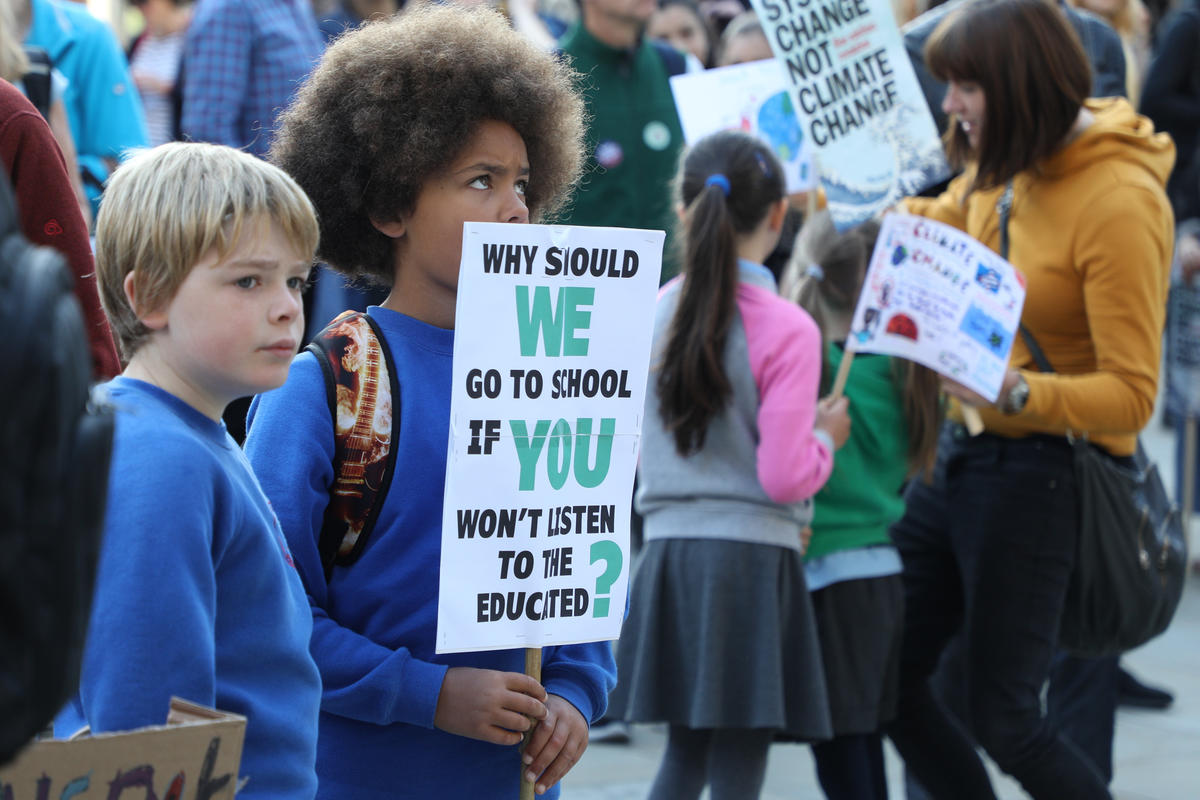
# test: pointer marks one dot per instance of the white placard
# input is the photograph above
(934, 295)
(752, 97)
(551, 354)
(862, 106)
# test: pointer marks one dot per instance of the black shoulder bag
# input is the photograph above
(1131, 560)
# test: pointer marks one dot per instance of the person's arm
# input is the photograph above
(1124, 253)
(290, 445)
(218, 58)
(794, 458)
(50, 216)
(153, 620)
(1166, 94)
(103, 106)
(947, 207)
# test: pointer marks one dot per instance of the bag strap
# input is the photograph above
(359, 376)
(1004, 208)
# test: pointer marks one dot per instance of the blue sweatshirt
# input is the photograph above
(196, 596)
(374, 622)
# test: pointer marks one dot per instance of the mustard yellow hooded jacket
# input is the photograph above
(1092, 231)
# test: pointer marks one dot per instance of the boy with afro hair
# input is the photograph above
(407, 129)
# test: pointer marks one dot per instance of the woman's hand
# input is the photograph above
(956, 389)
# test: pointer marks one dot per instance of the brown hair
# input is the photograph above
(692, 384)
(393, 102)
(1029, 63)
(843, 259)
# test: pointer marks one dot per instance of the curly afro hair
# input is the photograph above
(392, 103)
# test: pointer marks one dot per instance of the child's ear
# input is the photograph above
(393, 229)
(777, 214)
(155, 319)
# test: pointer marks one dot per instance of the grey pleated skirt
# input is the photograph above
(721, 634)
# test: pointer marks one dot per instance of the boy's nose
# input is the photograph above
(288, 305)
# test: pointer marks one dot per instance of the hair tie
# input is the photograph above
(717, 179)
(762, 164)
(815, 272)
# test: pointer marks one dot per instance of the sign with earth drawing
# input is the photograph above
(934, 295)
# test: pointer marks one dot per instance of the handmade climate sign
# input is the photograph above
(934, 295)
(551, 354)
(752, 97)
(860, 102)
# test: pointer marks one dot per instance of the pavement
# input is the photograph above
(1156, 754)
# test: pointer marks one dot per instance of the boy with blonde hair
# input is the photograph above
(202, 254)
(408, 129)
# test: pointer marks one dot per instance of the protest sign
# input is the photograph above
(1183, 351)
(752, 97)
(934, 295)
(862, 107)
(195, 756)
(551, 353)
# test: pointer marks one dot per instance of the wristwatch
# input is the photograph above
(1018, 396)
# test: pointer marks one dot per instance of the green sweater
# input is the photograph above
(633, 138)
(862, 497)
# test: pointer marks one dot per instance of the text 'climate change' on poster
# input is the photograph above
(860, 102)
(551, 353)
(934, 295)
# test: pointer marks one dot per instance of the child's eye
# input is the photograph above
(296, 283)
(248, 282)
(482, 182)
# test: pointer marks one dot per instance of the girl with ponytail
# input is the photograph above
(720, 641)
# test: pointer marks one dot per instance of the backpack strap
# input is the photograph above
(37, 80)
(364, 402)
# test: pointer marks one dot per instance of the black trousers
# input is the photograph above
(988, 549)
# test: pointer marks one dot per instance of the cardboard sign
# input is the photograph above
(863, 109)
(754, 98)
(934, 295)
(195, 756)
(1183, 351)
(551, 353)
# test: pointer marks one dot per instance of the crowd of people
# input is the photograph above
(816, 567)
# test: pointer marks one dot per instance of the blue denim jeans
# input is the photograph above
(988, 549)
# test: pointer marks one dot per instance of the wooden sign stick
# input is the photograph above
(533, 668)
(839, 381)
(971, 419)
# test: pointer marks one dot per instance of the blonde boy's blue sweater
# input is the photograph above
(196, 596)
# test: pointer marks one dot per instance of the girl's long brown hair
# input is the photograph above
(843, 259)
(692, 384)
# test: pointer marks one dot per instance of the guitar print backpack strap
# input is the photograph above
(364, 401)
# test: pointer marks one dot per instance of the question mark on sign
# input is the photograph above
(610, 553)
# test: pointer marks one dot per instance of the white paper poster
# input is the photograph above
(861, 104)
(752, 97)
(551, 354)
(934, 295)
